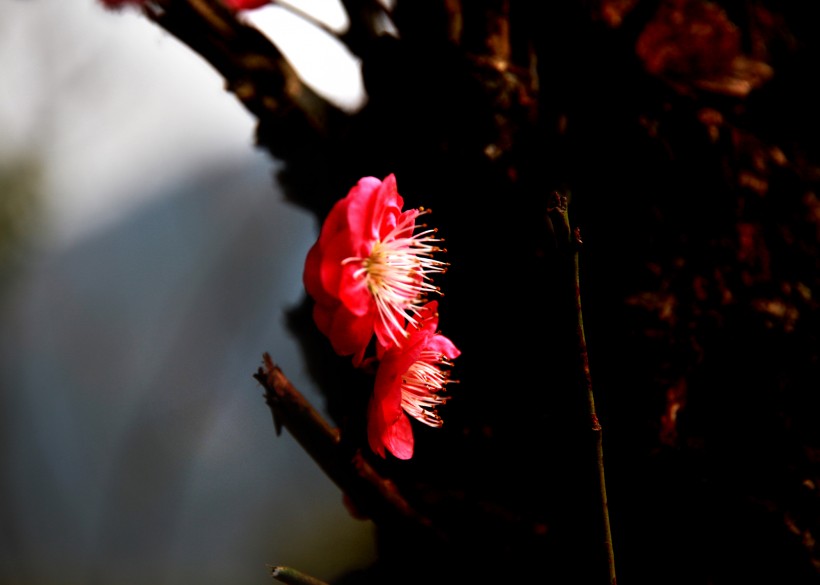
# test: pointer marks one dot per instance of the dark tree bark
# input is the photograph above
(685, 134)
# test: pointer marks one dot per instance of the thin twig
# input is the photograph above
(569, 241)
(373, 495)
(308, 17)
(291, 576)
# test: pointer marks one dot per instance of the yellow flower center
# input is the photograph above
(397, 273)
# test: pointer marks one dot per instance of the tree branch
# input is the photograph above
(371, 494)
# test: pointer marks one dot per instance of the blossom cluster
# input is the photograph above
(370, 275)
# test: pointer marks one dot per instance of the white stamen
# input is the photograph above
(421, 388)
(398, 273)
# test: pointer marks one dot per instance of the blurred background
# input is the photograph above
(147, 259)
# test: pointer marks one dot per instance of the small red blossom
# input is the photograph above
(411, 379)
(245, 4)
(369, 272)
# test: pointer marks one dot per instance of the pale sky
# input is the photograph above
(137, 447)
(115, 108)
